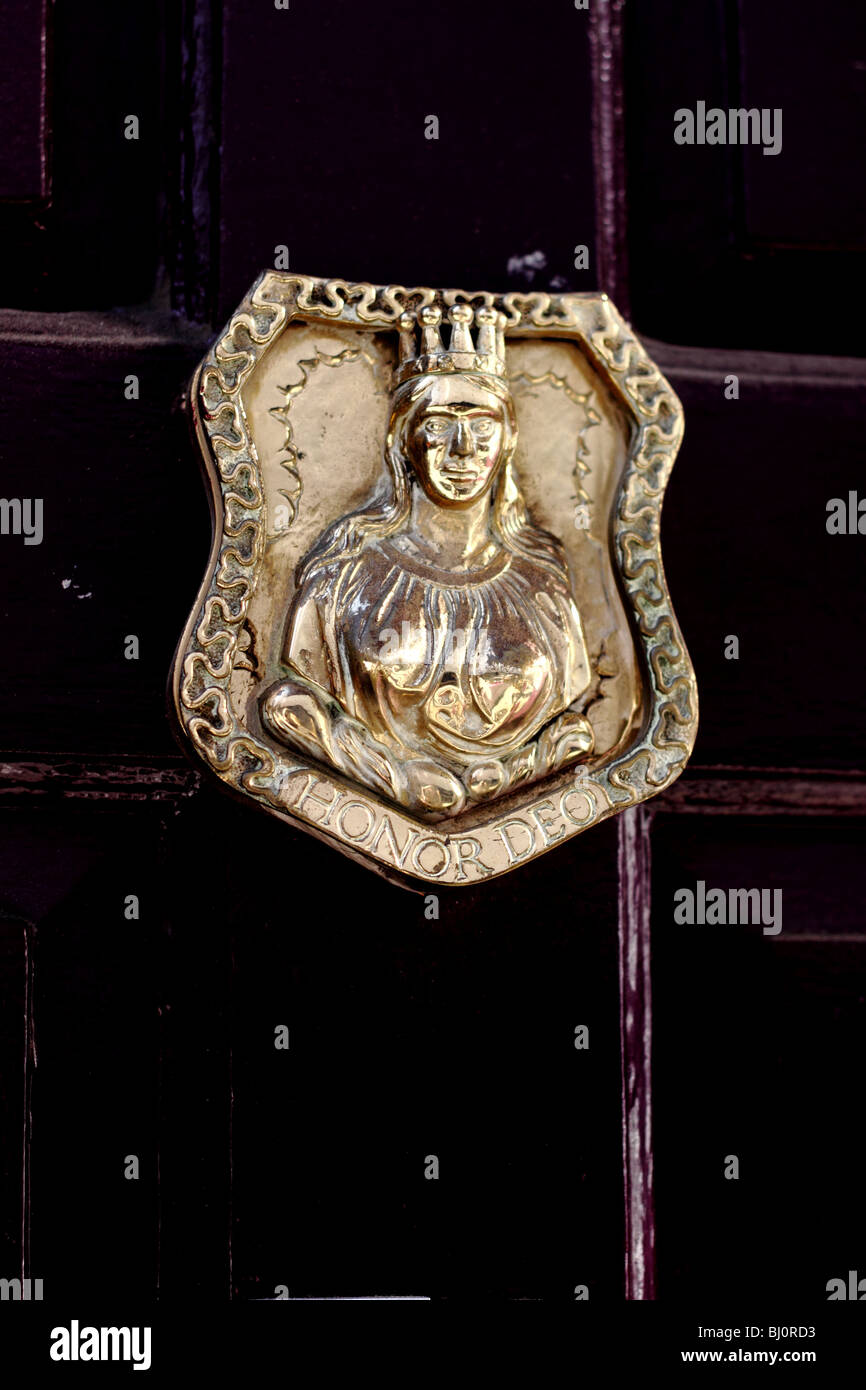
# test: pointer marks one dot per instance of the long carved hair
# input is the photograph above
(389, 508)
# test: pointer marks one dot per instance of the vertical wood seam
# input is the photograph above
(608, 149)
(27, 1079)
(196, 252)
(634, 864)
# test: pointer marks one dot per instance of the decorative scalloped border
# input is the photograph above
(209, 647)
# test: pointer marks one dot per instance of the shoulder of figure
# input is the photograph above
(549, 574)
(322, 578)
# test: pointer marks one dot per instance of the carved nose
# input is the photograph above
(462, 442)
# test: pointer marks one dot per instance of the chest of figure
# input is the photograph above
(466, 661)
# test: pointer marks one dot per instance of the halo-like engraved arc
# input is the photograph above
(209, 646)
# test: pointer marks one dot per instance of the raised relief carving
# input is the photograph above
(435, 650)
(435, 629)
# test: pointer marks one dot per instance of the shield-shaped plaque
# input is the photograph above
(435, 629)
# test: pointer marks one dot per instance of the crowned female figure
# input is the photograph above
(434, 651)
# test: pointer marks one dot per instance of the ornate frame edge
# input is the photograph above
(208, 647)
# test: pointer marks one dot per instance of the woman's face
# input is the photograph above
(456, 440)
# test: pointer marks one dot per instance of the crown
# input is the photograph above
(421, 348)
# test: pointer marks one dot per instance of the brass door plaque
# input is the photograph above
(435, 629)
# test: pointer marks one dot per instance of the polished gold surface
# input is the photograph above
(435, 628)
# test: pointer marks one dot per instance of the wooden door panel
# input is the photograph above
(324, 149)
(93, 1066)
(729, 247)
(108, 471)
(413, 1036)
(83, 206)
(748, 555)
(755, 1051)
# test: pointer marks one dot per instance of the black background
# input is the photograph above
(305, 1169)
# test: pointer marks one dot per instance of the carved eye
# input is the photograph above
(483, 428)
(436, 427)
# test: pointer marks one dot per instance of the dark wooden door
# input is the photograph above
(153, 160)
